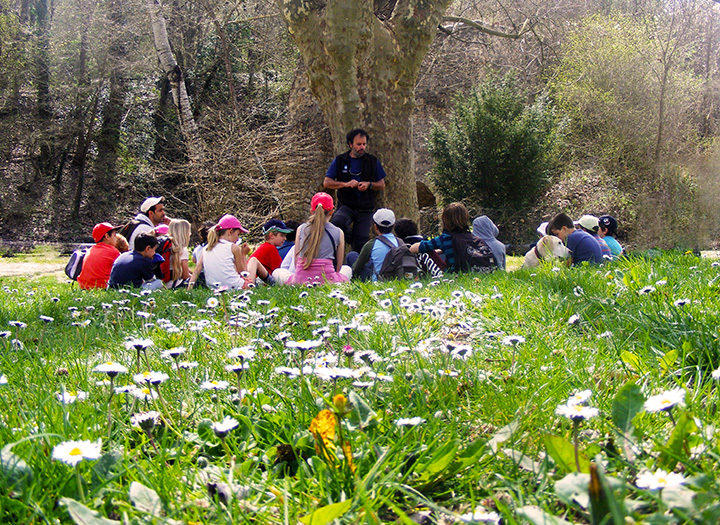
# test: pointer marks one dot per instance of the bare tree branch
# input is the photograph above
(449, 29)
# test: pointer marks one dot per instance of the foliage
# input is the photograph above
(429, 398)
(498, 150)
(613, 79)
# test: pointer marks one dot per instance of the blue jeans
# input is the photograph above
(359, 234)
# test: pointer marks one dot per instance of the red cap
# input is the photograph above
(322, 199)
(101, 229)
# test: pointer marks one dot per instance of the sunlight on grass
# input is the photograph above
(584, 394)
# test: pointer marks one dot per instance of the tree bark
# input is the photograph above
(42, 84)
(193, 142)
(362, 62)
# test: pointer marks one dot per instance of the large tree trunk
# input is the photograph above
(362, 62)
(172, 70)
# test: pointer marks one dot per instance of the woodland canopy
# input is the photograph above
(239, 106)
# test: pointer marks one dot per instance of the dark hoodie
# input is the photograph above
(485, 228)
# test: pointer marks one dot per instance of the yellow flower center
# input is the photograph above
(76, 452)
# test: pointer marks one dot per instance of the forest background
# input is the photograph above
(218, 107)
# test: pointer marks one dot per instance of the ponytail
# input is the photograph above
(312, 241)
(213, 238)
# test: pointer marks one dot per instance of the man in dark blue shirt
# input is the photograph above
(136, 267)
(583, 246)
(356, 175)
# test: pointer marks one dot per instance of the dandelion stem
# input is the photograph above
(671, 416)
(227, 449)
(112, 393)
(78, 478)
(576, 432)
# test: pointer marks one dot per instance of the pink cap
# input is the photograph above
(162, 229)
(227, 222)
(101, 229)
(322, 199)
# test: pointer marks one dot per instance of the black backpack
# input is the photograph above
(472, 254)
(128, 229)
(399, 263)
(74, 265)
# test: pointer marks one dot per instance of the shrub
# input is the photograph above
(498, 151)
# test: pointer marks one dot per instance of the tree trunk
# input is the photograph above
(42, 84)
(225, 43)
(193, 142)
(362, 62)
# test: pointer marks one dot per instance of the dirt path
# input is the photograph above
(31, 269)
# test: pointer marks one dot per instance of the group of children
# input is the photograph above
(590, 239)
(313, 252)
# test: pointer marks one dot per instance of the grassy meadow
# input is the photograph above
(547, 396)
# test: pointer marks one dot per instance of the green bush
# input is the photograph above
(498, 151)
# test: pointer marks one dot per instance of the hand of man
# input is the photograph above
(363, 186)
(351, 184)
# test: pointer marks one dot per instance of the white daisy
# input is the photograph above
(110, 368)
(480, 515)
(222, 428)
(73, 452)
(659, 479)
(576, 412)
(666, 400)
(409, 421)
(214, 385)
(70, 396)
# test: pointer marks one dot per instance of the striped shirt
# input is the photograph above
(442, 242)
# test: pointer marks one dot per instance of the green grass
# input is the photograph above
(489, 434)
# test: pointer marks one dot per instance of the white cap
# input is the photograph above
(150, 202)
(384, 217)
(589, 222)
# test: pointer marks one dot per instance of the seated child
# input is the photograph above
(371, 258)
(99, 259)
(485, 228)
(590, 224)
(431, 263)
(608, 232)
(137, 267)
(582, 245)
(455, 222)
(266, 256)
(284, 248)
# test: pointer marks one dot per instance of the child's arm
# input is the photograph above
(340, 258)
(240, 255)
(185, 268)
(196, 273)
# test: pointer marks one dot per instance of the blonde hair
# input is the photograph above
(310, 247)
(179, 232)
(213, 236)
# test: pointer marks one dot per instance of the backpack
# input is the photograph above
(128, 229)
(472, 254)
(74, 265)
(164, 249)
(399, 263)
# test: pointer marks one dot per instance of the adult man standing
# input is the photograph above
(152, 214)
(356, 175)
